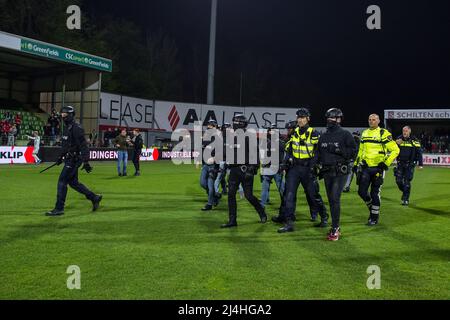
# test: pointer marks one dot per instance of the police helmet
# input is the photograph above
(212, 123)
(226, 125)
(334, 113)
(240, 121)
(68, 109)
(303, 112)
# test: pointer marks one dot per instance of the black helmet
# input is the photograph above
(334, 113)
(70, 114)
(68, 109)
(226, 125)
(303, 112)
(212, 122)
(291, 124)
(240, 121)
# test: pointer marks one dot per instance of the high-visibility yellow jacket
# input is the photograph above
(303, 145)
(377, 146)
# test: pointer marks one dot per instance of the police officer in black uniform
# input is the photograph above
(137, 142)
(75, 153)
(241, 172)
(410, 155)
(284, 167)
(336, 150)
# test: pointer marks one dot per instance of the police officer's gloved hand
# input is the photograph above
(87, 167)
(355, 169)
(383, 166)
(59, 161)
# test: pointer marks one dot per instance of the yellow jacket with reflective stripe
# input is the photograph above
(303, 145)
(377, 146)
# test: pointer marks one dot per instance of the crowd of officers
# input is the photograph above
(336, 156)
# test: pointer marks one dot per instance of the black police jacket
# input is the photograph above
(410, 150)
(336, 146)
(74, 144)
(238, 153)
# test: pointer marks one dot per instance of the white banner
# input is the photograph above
(12, 155)
(123, 111)
(175, 115)
(431, 114)
(436, 159)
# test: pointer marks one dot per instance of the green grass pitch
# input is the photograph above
(149, 240)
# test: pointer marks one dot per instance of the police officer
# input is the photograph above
(75, 152)
(222, 173)
(336, 150)
(348, 183)
(241, 172)
(410, 155)
(284, 167)
(376, 152)
(302, 147)
(209, 173)
(267, 177)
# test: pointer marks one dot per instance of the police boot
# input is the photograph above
(313, 217)
(263, 217)
(278, 219)
(373, 220)
(96, 202)
(231, 223)
(288, 227)
(138, 173)
(207, 207)
(322, 224)
(54, 213)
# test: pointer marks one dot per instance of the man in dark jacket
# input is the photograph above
(74, 153)
(137, 144)
(410, 156)
(336, 150)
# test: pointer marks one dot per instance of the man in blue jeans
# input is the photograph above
(266, 179)
(121, 143)
(209, 173)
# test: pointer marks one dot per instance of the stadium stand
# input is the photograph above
(29, 122)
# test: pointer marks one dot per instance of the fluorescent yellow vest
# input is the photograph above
(377, 146)
(303, 145)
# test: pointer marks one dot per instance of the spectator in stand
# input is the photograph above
(18, 122)
(54, 124)
(12, 135)
(4, 132)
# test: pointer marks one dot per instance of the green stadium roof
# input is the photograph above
(18, 53)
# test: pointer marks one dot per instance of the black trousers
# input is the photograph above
(136, 157)
(296, 175)
(334, 186)
(372, 178)
(404, 173)
(236, 177)
(69, 176)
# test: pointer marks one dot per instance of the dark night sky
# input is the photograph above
(323, 52)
